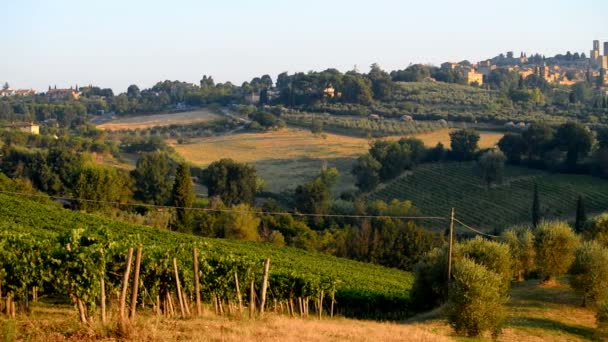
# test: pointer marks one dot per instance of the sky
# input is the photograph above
(115, 43)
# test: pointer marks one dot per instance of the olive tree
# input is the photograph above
(597, 229)
(589, 272)
(523, 254)
(475, 303)
(555, 245)
(491, 166)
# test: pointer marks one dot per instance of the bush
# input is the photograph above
(597, 229)
(555, 244)
(430, 275)
(240, 224)
(601, 317)
(523, 254)
(430, 283)
(495, 256)
(589, 272)
(475, 303)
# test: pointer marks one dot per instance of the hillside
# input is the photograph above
(362, 288)
(284, 158)
(289, 157)
(435, 188)
(159, 120)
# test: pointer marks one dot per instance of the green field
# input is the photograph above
(360, 286)
(435, 188)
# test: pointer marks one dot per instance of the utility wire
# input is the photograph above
(475, 230)
(223, 210)
(259, 212)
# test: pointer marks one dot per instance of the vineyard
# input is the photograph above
(364, 127)
(48, 250)
(435, 188)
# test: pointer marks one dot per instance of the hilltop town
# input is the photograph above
(565, 69)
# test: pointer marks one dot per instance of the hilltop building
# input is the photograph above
(472, 76)
(485, 67)
(27, 127)
(62, 94)
(596, 58)
(16, 92)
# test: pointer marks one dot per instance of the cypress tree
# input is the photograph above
(535, 208)
(182, 197)
(581, 217)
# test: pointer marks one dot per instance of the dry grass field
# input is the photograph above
(59, 323)
(487, 139)
(289, 157)
(535, 313)
(284, 158)
(274, 145)
(146, 121)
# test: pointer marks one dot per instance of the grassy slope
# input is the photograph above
(284, 158)
(535, 313)
(435, 188)
(147, 121)
(18, 213)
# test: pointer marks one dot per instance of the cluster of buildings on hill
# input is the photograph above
(553, 70)
(52, 93)
(27, 127)
(16, 92)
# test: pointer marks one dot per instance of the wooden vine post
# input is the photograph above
(264, 285)
(238, 292)
(135, 287)
(82, 310)
(179, 291)
(252, 298)
(104, 319)
(321, 304)
(125, 285)
(333, 300)
(197, 284)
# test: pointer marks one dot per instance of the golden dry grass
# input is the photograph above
(535, 313)
(487, 139)
(289, 157)
(147, 121)
(59, 323)
(294, 144)
(275, 145)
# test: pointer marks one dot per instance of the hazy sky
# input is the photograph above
(114, 43)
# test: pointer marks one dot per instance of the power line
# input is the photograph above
(222, 210)
(475, 230)
(259, 212)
